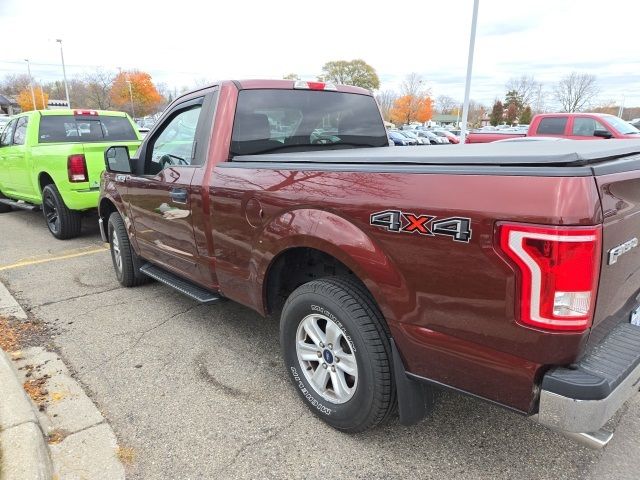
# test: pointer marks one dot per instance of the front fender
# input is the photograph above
(336, 236)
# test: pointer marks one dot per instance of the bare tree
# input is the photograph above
(412, 85)
(575, 91)
(12, 85)
(98, 90)
(386, 99)
(527, 89)
(446, 104)
(476, 113)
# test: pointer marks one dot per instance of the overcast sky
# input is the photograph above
(183, 42)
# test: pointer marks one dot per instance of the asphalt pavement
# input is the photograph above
(199, 392)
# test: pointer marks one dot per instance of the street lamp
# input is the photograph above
(64, 73)
(133, 112)
(33, 95)
(467, 85)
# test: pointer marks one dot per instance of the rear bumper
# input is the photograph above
(583, 398)
(81, 199)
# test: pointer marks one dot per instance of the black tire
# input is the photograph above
(62, 222)
(126, 262)
(361, 325)
(4, 208)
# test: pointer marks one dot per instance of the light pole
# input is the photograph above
(33, 95)
(467, 85)
(64, 73)
(133, 112)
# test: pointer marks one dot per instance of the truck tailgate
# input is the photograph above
(619, 288)
(94, 156)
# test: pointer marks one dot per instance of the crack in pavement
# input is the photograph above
(45, 304)
(260, 440)
(140, 337)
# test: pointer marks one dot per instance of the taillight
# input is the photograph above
(558, 273)
(77, 168)
(305, 85)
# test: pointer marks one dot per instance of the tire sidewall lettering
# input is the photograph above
(327, 313)
(307, 394)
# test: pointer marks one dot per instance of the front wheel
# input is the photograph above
(62, 222)
(125, 261)
(4, 208)
(337, 353)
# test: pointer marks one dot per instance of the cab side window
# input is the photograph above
(552, 126)
(586, 127)
(174, 144)
(7, 134)
(20, 134)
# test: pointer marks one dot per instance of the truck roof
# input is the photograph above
(289, 84)
(569, 153)
(257, 84)
(72, 111)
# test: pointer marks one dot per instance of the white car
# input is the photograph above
(4, 120)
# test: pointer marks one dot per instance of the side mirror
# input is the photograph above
(602, 134)
(117, 160)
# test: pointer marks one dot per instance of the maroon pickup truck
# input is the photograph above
(572, 126)
(509, 274)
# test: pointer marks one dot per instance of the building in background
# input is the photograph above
(8, 106)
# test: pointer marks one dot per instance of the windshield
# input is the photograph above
(68, 128)
(273, 120)
(621, 126)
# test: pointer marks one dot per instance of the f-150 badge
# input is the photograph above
(458, 228)
(615, 252)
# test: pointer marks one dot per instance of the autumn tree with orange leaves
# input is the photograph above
(146, 98)
(412, 108)
(25, 100)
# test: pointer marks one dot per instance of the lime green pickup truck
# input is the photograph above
(53, 159)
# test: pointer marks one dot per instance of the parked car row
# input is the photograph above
(420, 135)
(439, 131)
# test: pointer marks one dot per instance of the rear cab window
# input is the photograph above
(85, 129)
(278, 120)
(552, 126)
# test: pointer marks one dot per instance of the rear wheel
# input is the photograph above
(125, 261)
(4, 208)
(62, 222)
(337, 353)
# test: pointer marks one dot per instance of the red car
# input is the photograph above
(506, 272)
(574, 126)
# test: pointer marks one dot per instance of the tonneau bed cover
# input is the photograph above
(569, 153)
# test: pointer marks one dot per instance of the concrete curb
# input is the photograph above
(25, 455)
(82, 444)
(9, 307)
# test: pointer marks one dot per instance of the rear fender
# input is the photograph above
(335, 236)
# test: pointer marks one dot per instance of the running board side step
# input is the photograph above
(19, 204)
(189, 289)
